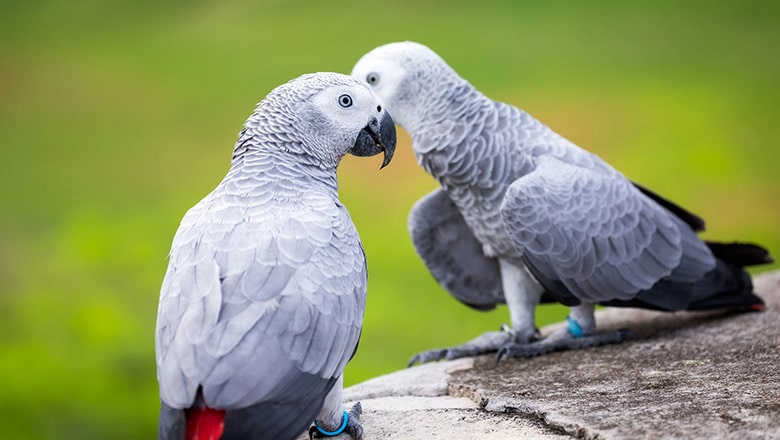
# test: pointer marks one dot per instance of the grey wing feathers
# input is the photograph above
(693, 220)
(280, 295)
(452, 254)
(594, 236)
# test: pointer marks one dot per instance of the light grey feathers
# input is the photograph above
(530, 200)
(262, 304)
(598, 234)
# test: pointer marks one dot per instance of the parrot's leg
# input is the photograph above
(333, 419)
(580, 332)
(522, 294)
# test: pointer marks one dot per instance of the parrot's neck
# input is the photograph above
(300, 171)
(452, 133)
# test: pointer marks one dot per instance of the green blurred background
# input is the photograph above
(116, 116)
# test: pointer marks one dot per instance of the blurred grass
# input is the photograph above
(117, 116)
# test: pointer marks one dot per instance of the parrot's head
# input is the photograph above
(324, 116)
(353, 116)
(408, 77)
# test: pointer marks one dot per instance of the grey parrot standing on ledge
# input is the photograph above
(524, 215)
(262, 304)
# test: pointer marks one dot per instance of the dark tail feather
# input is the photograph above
(736, 294)
(726, 287)
(172, 423)
(728, 301)
(305, 394)
(740, 254)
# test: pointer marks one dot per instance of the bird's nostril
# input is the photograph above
(379, 108)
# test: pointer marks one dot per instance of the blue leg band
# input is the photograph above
(574, 327)
(336, 432)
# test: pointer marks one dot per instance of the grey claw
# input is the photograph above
(354, 428)
(356, 410)
(500, 355)
(427, 356)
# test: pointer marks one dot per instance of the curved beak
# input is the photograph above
(376, 137)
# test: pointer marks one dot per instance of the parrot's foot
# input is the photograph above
(354, 428)
(562, 342)
(351, 425)
(486, 343)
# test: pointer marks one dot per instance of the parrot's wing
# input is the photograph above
(452, 254)
(251, 311)
(592, 236)
(693, 220)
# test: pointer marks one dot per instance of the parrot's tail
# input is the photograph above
(734, 290)
(726, 287)
(204, 423)
(740, 254)
(737, 287)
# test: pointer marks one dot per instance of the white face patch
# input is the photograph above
(347, 108)
(402, 75)
(384, 75)
(338, 114)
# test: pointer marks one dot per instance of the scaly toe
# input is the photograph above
(558, 343)
(427, 356)
(354, 428)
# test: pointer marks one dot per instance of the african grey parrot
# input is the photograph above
(262, 304)
(523, 214)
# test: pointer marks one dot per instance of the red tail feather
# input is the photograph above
(204, 424)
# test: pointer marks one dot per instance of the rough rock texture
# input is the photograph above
(687, 375)
(416, 404)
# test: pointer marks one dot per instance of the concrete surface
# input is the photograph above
(688, 375)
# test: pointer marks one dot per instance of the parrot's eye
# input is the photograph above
(345, 101)
(372, 78)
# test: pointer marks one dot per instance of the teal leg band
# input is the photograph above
(336, 432)
(574, 327)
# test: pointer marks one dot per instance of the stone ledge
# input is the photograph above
(688, 375)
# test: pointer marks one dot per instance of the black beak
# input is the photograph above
(377, 137)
